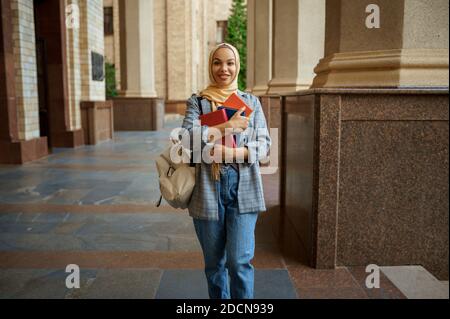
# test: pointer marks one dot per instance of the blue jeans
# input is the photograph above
(228, 244)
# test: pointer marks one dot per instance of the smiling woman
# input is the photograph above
(224, 66)
(225, 203)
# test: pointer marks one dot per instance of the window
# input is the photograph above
(221, 31)
(108, 20)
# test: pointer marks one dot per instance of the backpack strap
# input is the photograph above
(158, 203)
(199, 101)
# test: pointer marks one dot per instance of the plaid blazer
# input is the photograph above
(204, 200)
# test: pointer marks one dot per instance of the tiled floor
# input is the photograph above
(94, 207)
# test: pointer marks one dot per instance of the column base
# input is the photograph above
(388, 68)
(69, 139)
(97, 121)
(260, 90)
(177, 107)
(285, 86)
(138, 94)
(138, 114)
(23, 151)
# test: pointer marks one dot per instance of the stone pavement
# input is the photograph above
(94, 207)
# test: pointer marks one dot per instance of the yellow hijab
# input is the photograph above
(214, 93)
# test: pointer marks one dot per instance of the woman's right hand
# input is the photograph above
(238, 122)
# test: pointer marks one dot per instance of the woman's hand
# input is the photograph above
(238, 122)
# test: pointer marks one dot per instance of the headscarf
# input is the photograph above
(214, 93)
(217, 94)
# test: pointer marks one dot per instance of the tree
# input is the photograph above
(110, 80)
(237, 36)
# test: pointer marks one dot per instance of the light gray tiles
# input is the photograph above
(415, 282)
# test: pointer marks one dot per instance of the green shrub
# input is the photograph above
(110, 80)
(237, 36)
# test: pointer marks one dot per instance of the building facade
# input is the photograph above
(53, 80)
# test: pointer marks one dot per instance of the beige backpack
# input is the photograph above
(176, 179)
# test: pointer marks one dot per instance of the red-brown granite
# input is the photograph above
(306, 277)
(123, 259)
(97, 121)
(100, 167)
(324, 284)
(331, 293)
(394, 186)
(21, 152)
(298, 169)
(102, 259)
(327, 181)
(107, 154)
(365, 177)
(138, 114)
(94, 209)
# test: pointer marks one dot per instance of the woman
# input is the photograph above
(227, 197)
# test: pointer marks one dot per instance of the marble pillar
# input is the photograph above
(393, 44)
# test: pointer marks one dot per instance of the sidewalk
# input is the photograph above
(94, 207)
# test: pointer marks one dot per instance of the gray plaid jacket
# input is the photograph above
(204, 200)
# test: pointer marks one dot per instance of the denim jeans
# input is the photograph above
(228, 244)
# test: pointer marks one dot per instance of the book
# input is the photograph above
(235, 102)
(230, 112)
(216, 118)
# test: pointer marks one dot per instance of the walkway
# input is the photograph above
(94, 207)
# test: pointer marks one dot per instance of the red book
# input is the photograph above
(216, 118)
(235, 102)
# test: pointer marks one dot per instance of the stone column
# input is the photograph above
(251, 45)
(410, 47)
(160, 43)
(137, 56)
(262, 46)
(24, 45)
(298, 43)
(116, 19)
(9, 130)
(20, 139)
(91, 40)
(138, 107)
(77, 65)
(96, 118)
(179, 49)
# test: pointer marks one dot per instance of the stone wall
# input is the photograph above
(95, 44)
(74, 67)
(160, 47)
(25, 68)
(80, 42)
